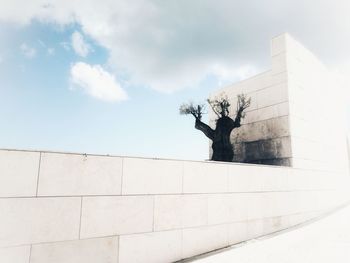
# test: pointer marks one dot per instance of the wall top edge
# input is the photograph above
(143, 158)
(166, 159)
(232, 85)
(284, 34)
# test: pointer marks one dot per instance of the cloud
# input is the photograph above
(28, 51)
(97, 82)
(171, 45)
(79, 45)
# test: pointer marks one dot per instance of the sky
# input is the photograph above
(108, 76)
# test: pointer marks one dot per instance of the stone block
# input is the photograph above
(262, 130)
(239, 152)
(253, 103)
(271, 149)
(244, 178)
(237, 232)
(218, 209)
(274, 224)
(15, 254)
(180, 211)
(157, 247)
(298, 179)
(101, 250)
(267, 149)
(250, 85)
(228, 208)
(279, 44)
(239, 205)
(205, 177)
(116, 215)
(272, 95)
(35, 220)
(254, 205)
(236, 207)
(253, 151)
(268, 112)
(273, 204)
(283, 147)
(19, 173)
(279, 64)
(73, 174)
(255, 228)
(204, 239)
(147, 176)
(274, 178)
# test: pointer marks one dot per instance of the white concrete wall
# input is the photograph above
(59, 207)
(297, 116)
(317, 110)
(264, 136)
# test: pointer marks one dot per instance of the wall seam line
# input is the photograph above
(153, 219)
(81, 212)
(189, 193)
(207, 208)
(182, 242)
(228, 179)
(253, 78)
(176, 229)
(182, 177)
(268, 106)
(37, 179)
(253, 122)
(30, 253)
(121, 179)
(118, 248)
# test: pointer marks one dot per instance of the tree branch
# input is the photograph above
(242, 104)
(196, 111)
(237, 122)
(209, 132)
(213, 108)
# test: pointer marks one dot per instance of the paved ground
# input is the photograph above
(323, 241)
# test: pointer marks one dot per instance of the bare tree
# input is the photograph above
(222, 147)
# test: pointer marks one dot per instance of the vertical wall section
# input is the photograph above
(265, 134)
(58, 207)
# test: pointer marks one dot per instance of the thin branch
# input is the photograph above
(212, 107)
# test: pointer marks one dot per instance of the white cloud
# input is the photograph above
(28, 51)
(226, 74)
(169, 45)
(79, 45)
(97, 82)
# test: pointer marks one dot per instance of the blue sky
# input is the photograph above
(108, 78)
(40, 109)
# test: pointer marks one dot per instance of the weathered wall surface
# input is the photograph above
(264, 136)
(296, 117)
(58, 207)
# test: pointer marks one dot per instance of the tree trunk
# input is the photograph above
(209, 132)
(222, 147)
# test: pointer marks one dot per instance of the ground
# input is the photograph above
(325, 240)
